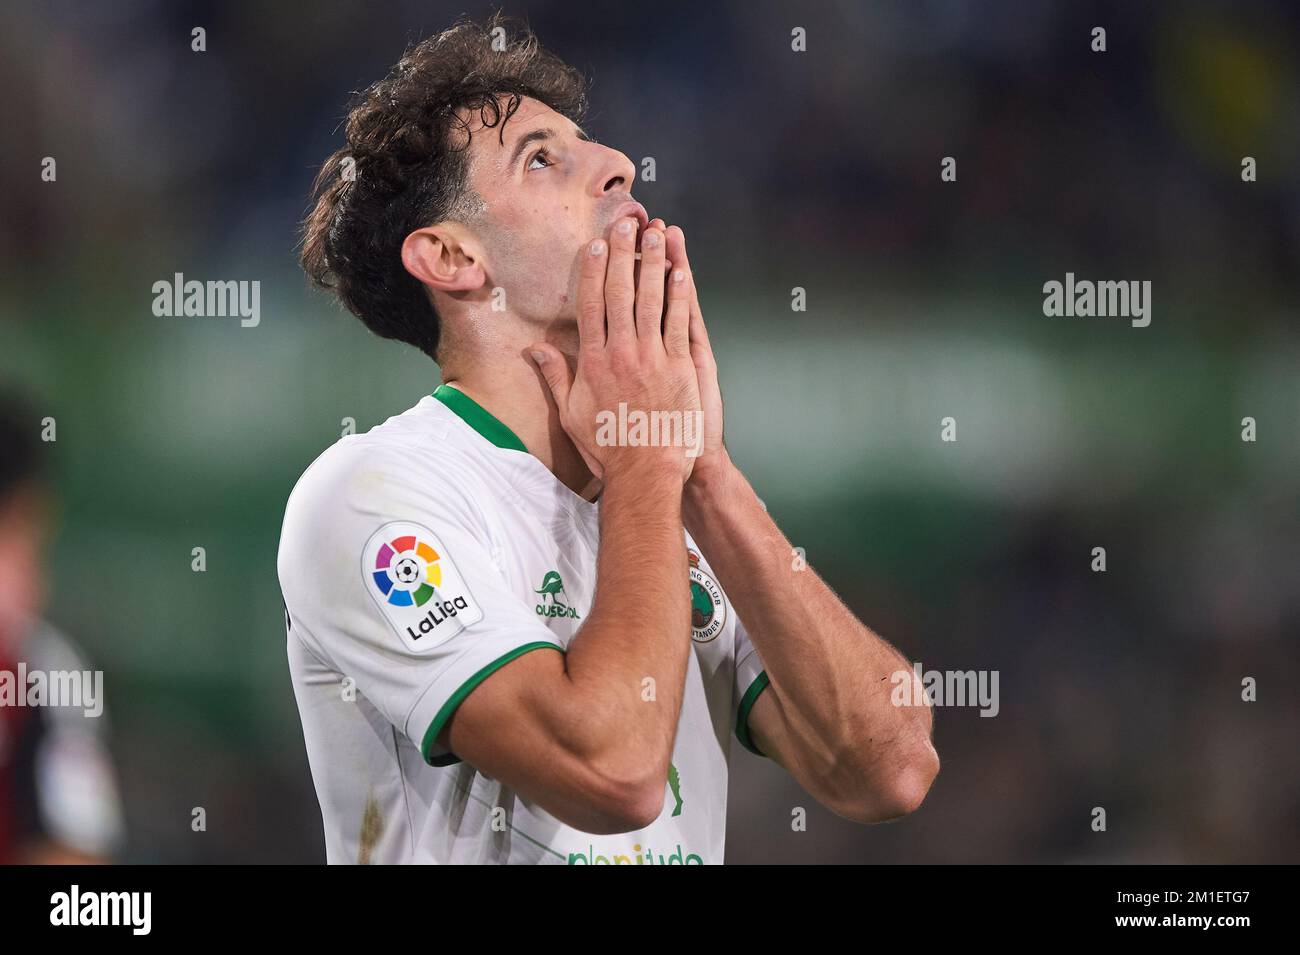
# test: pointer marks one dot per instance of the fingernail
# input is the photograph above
(597, 247)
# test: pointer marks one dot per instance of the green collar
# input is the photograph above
(479, 418)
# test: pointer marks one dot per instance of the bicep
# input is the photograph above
(522, 726)
(506, 725)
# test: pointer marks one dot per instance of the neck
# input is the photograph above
(508, 385)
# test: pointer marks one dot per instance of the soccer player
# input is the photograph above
(515, 636)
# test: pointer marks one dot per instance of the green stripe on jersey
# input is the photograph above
(457, 698)
(760, 684)
(479, 418)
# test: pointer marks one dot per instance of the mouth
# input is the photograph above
(637, 211)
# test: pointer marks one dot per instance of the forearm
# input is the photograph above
(830, 673)
(628, 662)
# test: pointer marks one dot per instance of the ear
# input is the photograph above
(442, 259)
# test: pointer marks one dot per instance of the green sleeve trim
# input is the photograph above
(479, 418)
(457, 698)
(761, 683)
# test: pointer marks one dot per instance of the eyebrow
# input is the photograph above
(538, 135)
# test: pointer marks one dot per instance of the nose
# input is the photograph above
(615, 173)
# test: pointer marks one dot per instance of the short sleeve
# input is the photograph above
(751, 681)
(391, 579)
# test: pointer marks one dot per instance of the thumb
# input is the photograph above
(554, 369)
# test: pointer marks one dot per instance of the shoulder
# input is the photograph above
(414, 467)
(411, 458)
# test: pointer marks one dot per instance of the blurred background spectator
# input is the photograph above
(58, 797)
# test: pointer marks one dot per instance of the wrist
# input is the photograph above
(713, 477)
(646, 494)
(650, 470)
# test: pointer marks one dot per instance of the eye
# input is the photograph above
(541, 155)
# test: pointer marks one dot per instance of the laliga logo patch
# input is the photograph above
(416, 585)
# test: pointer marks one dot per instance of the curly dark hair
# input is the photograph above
(410, 172)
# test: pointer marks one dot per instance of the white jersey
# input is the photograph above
(417, 559)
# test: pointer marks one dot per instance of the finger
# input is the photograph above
(650, 287)
(677, 325)
(677, 313)
(661, 226)
(555, 370)
(675, 247)
(591, 294)
(620, 287)
(699, 334)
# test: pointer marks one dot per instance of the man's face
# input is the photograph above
(548, 191)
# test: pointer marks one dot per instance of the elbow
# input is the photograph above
(908, 787)
(634, 810)
(605, 784)
(896, 791)
(619, 802)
